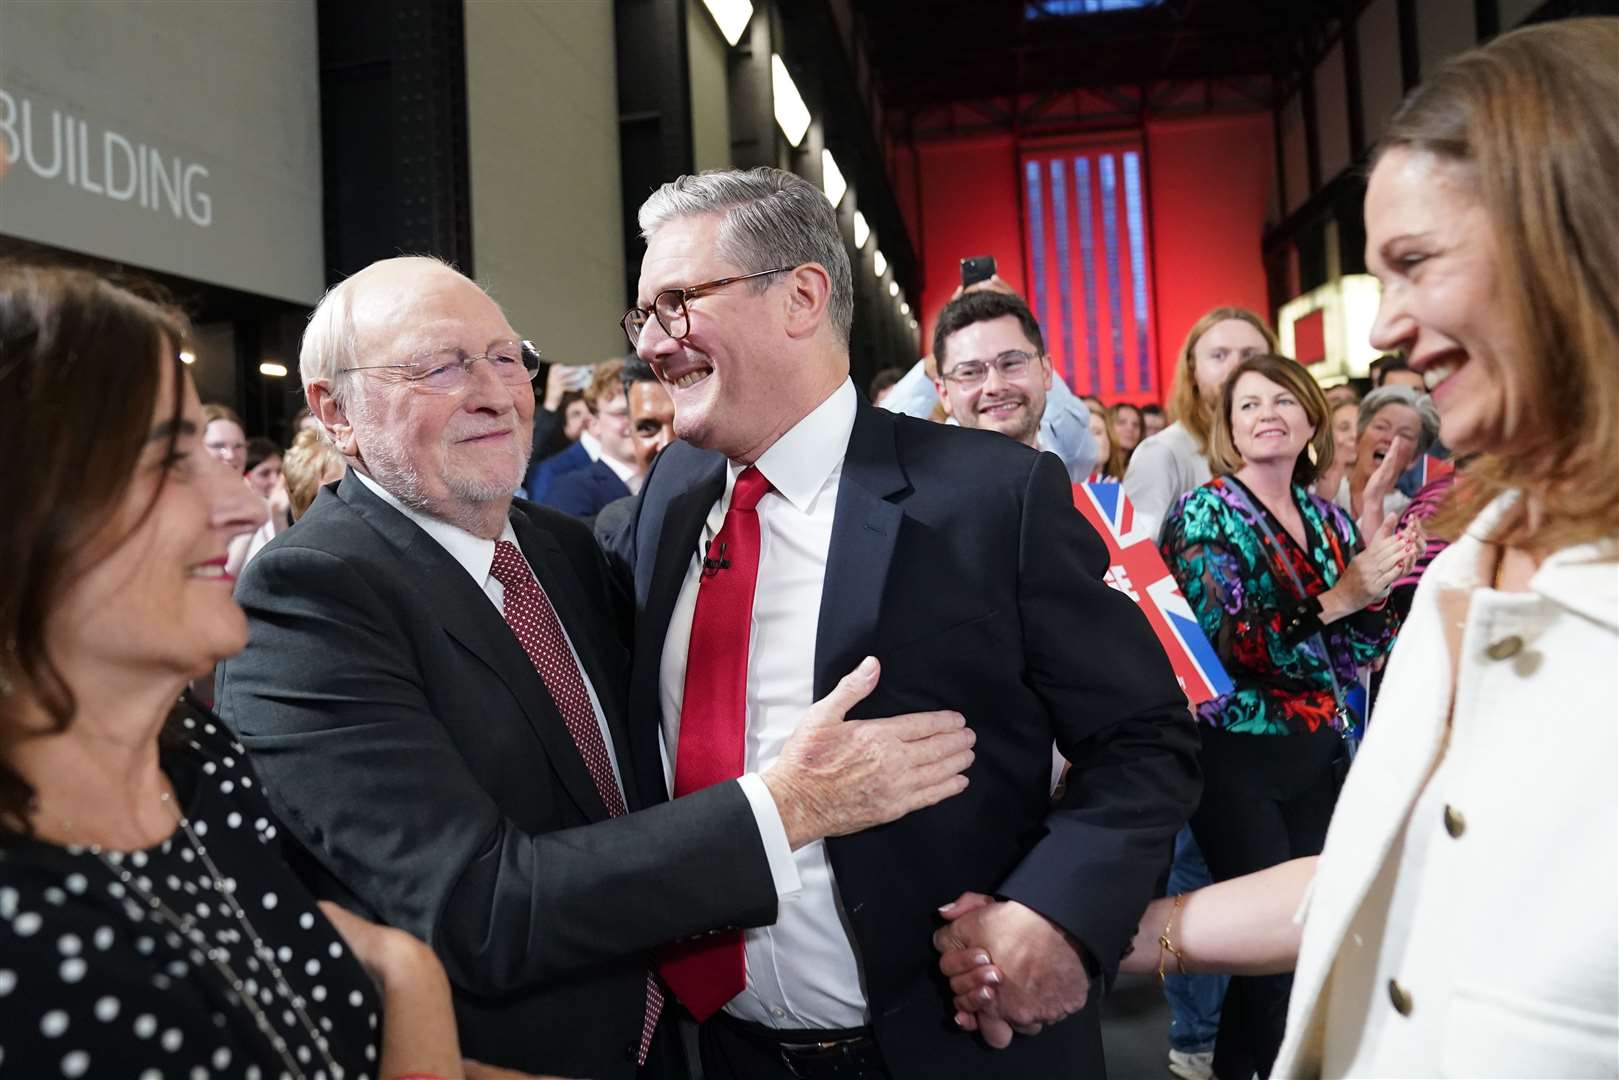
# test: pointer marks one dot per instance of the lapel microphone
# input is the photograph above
(714, 563)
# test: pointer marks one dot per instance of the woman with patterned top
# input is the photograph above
(1278, 581)
(148, 924)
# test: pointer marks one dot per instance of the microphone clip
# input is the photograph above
(716, 561)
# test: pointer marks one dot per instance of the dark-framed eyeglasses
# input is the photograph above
(669, 307)
(1012, 364)
(446, 371)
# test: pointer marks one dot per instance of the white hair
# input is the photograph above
(330, 343)
(770, 218)
(1421, 404)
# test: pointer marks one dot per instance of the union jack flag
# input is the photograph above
(1136, 569)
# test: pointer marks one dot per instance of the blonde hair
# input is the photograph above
(606, 383)
(1531, 116)
(305, 463)
(1315, 457)
(1185, 402)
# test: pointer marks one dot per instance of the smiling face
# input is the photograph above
(160, 600)
(1012, 406)
(1431, 245)
(611, 427)
(652, 419)
(1269, 424)
(457, 456)
(728, 376)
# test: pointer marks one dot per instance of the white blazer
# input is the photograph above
(1464, 920)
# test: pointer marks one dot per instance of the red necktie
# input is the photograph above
(534, 622)
(707, 972)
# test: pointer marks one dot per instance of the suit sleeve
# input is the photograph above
(572, 493)
(329, 700)
(1120, 720)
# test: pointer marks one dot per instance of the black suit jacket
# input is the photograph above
(958, 560)
(409, 745)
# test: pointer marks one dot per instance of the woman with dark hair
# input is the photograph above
(147, 920)
(1109, 458)
(1279, 583)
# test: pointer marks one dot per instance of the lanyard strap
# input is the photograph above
(1298, 587)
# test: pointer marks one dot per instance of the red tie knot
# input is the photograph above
(509, 566)
(751, 486)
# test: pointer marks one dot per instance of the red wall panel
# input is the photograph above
(1208, 191)
(1210, 183)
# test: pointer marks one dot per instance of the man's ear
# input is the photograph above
(333, 417)
(1045, 362)
(944, 397)
(809, 292)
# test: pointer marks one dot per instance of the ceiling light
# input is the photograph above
(904, 308)
(879, 263)
(893, 288)
(731, 16)
(791, 112)
(187, 356)
(832, 181)
(862, 231)
(272, 369)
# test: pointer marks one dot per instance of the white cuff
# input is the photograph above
(773, 834)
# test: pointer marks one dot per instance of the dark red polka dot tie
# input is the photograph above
(534, 621)
(708, 972)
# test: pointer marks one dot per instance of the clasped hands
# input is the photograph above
(1011, 969)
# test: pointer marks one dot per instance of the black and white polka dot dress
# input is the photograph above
(94, 984)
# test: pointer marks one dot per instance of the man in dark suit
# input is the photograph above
(434, 695)
(958, 559)
(618, 469)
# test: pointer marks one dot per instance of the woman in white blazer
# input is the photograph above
(1463, 918)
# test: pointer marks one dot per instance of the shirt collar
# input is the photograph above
(798, 464)
(475, 554)
(592, 445)
(626, 473)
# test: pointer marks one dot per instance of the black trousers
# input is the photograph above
(1266, 799)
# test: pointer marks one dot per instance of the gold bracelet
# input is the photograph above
(1165, 943)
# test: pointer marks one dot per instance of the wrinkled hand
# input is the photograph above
(836, 776)
(1010, 968)
(1382, 481)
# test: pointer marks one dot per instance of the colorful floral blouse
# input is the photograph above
(1236, 581)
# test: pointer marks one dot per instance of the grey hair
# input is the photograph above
(1422, 404)
(330, 342)
(770, 218)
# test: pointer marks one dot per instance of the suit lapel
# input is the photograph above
(864, 532)
(674, 542)
(468, 616)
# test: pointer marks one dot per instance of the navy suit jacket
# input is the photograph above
(583, 492)
(958, 560)
(540, 477)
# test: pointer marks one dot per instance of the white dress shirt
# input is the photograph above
(802, 972)
(477, 556)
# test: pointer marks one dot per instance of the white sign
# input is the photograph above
(176, 136)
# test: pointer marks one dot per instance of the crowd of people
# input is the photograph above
(692, 715)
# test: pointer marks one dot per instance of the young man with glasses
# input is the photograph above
(993, 369)
(794, 529)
